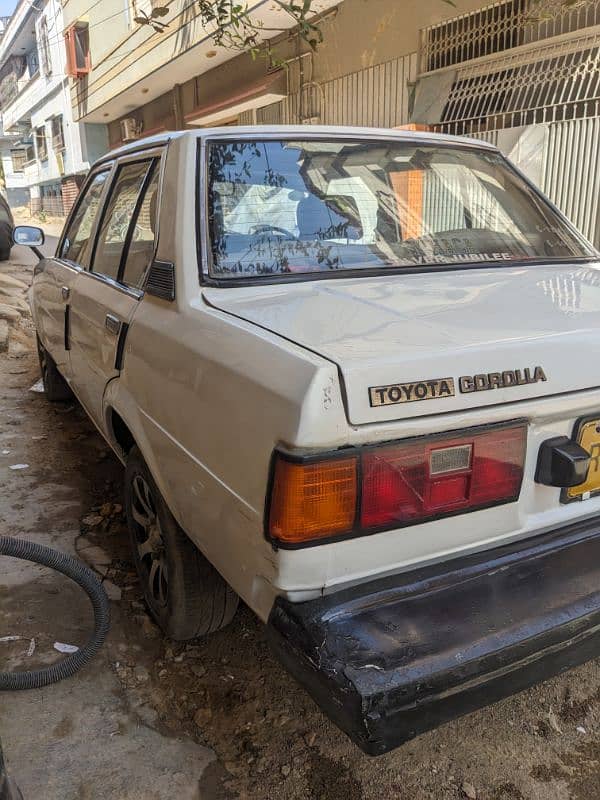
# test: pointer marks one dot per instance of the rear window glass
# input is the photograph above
(285, 207)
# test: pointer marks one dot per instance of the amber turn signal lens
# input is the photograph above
(313, 500)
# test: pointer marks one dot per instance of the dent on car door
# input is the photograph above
(55, 277)
(106, 295)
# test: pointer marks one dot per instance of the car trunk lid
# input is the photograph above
(458, 339)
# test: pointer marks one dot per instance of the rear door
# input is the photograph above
(106, 295)
(54, 277)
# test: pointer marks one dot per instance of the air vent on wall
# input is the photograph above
(130, 129)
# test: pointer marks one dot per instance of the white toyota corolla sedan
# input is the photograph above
(351, 374)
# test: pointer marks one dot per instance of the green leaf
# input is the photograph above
(159, 11)
(235, 26)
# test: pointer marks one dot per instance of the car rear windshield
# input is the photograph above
(279, 208)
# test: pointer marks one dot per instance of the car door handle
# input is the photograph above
(113, 324)
(66, 292)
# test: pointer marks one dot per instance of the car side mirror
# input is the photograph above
(30, 237)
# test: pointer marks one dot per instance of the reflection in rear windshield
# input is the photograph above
(283, 207)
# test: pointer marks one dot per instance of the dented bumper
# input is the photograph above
(393, 658)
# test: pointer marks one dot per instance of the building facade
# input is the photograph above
(523, 74)
(44, 153)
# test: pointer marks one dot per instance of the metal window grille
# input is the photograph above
(500, 27)
(570, 172)
(58, 136)
(376, 95)
(51, 200)
(41, 145)
(44, 47)
(549, 84)
(18, 158)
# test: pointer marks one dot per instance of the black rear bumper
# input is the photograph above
(395, 657)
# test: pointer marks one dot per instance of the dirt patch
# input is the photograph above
(64, 728)
(578, 768)
(508, 791)
(331, 780)
(573, 709)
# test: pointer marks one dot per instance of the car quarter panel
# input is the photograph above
(215, 395)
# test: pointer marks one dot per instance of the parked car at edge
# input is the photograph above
(351, 374)
(6, 229)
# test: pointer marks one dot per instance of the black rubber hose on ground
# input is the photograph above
(84, 577)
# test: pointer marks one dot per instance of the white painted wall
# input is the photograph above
(16, 189)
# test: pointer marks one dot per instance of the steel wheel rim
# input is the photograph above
(149, 541)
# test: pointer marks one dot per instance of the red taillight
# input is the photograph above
(314, 500)
(411, 482)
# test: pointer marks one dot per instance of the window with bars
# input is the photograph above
(58, 134)
(33, 63)
(554, 83)
(500, 27)
(490, 30)
(18, 158)
(44, 47)
(41, 146)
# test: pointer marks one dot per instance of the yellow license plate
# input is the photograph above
(589, 438)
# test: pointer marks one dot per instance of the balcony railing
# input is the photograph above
(20, 107)
(31, 172)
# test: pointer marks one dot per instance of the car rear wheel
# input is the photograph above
(55, 386)
(185, 594)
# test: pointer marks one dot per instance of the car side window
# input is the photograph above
(76, 243)
(117, 217)
(141, 246)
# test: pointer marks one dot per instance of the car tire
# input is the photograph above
(55, 386)
(185, 594)
(6, 241)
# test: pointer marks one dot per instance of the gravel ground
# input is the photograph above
(219, 718)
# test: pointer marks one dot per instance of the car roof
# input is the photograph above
(300, 132)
